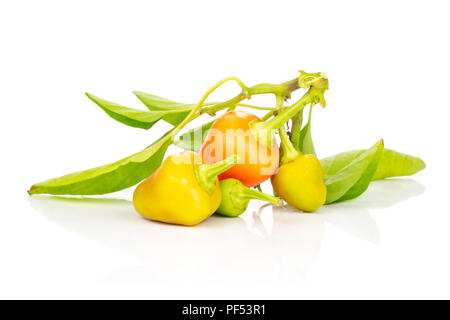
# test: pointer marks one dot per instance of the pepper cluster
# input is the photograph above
(225, 158)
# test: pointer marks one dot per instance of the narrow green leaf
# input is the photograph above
(156, 103)
(305, 144)
(193, 139)
(352, 174)
(109, 178)
(394, 164)
(131, 117)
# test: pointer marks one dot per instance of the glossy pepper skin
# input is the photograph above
(299, 180)
(300, 183)
(174, 194)
(230, 135)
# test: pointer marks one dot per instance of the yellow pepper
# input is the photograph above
(183, 190)
(299, 179)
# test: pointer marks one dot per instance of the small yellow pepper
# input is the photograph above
(183, 190)
(299, 179)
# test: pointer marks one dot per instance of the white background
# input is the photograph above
(387, 62)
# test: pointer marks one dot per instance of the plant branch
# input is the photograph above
(283, 89)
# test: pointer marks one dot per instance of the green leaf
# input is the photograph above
(394, 164)
(353, 177)
(391, 164)
(131, 117)
(156, 103)
(109, 178)
(363, 183)
(305, 144)
(192, 140)
(333, 164)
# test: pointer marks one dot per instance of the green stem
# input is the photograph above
(288, 150)
(223, 105)
(248, 194)
(297, 122)
(207, 173)
(268, 115)
(287, 113)
(264, 130)
(307, 80)
(192, 115)
(279, 101)
(209, 105)
(213, 170)
(254, 107)
(284, 89)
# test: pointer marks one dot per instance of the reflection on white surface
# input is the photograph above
(353, 216)
(267, 243)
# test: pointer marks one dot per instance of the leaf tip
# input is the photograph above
(139, 95)
(31, 191)
(90, 96)
(422, 164)
(380, 144)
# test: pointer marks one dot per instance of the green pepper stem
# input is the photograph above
(213, 170)
(263, 130)
(248, 194)
(288, 150)
(207, 173)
